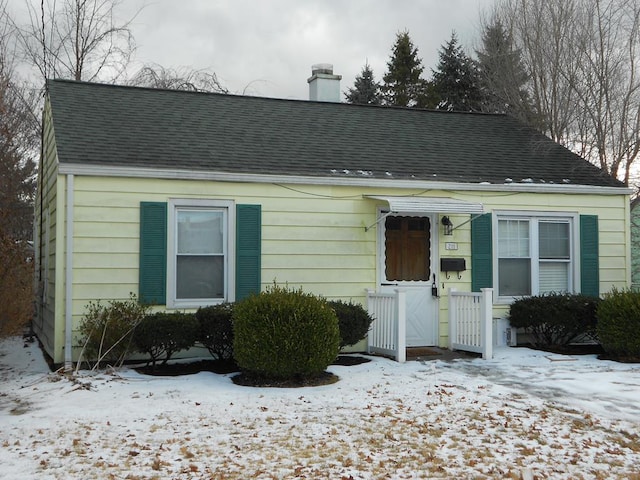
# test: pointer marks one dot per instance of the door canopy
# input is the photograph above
(429, 205)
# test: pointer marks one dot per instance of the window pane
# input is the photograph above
(418, 224)
(514, 276)
(200, 231)
(554, 277)
(407, 249)
(199, 277)
(554, 239)
(513, 238)
(393, 223)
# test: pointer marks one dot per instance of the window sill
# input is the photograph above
(197, 303)
(505, 300)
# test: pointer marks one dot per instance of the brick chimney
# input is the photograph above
(324, 86)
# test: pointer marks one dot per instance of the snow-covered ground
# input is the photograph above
(525, 414)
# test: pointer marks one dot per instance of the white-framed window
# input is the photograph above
(201, 239)
(536, 254)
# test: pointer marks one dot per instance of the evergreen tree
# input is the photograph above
(455, 82)
(365, 89)
(402, 83)
(502, 74)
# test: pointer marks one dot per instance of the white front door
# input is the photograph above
(407, 261)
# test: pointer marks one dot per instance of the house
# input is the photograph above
(635, 243)
(189, 199)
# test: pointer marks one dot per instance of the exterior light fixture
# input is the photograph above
(447, 225)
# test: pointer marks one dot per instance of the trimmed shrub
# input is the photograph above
(555, 319)
(163, 334)
(353, 321)
(284, 333)
(619, 323)
(107, 330)
(216, 330)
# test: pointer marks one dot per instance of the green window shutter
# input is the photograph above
(481, 253)
(589, 259)
(248, 250)
(153, 253)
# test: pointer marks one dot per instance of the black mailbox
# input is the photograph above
(452, 265)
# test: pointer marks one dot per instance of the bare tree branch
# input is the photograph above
(181, 78)
(582, 61)
(78, 39)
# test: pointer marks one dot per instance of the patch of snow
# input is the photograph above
(523, 413)
(527, 180)
(388, 174)
(566, 180)
(508, 180)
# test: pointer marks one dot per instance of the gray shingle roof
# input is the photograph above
(111, 125)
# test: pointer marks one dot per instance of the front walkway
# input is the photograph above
(421, 354)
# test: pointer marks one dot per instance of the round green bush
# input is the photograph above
(284, 333)
(555, 319)
(353, 321)
(619, 323)
(216, 330)
(163, 334)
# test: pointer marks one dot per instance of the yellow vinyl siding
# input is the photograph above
(45, 218)
(613, 243)
(312, 236)
(94, 260)
(305, 241)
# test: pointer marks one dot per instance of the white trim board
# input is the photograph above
(179, 174)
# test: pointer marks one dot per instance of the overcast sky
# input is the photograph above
(267, 47)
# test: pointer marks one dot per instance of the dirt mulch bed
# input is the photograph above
(577, 349)
(586, 349)
(189, 368)
(224, 367)
(350, 360)
(619, 358)
(248, 380)
(323, 378)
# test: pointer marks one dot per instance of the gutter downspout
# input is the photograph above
(37, 226)
(68, 286)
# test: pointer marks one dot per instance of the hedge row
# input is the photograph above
(556, 320)
(280, 332)
(619, 324)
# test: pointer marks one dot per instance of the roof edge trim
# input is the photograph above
(178, 174)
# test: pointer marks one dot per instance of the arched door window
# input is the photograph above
(407, 248)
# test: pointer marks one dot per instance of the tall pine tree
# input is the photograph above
(502, 74)
(455, 84)
(402, 83)
(365, 89)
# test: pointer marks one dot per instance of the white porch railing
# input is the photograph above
(471, 321)
(388, 334)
